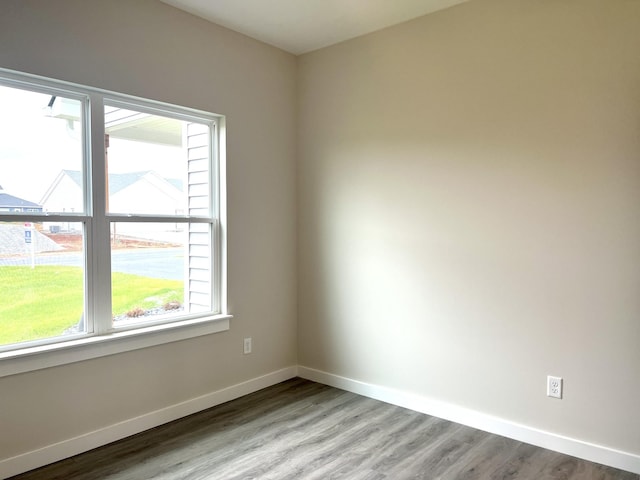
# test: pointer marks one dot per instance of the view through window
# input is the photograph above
(146, 206)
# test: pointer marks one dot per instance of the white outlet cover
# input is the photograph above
(554, 386)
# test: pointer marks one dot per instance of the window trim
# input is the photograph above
(99, 341)
(49, 355)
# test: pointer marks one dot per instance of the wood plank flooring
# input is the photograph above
(304, 430)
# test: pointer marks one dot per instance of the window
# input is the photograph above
(111, 217)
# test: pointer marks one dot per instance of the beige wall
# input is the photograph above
(469, 212)
(149, 49)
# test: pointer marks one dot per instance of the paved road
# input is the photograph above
(154, 262)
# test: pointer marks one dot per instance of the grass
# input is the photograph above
(45, 301)
(133, 291)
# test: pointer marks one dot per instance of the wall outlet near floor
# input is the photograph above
(247, 345)
(554, 387)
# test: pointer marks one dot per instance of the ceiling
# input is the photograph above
(300, 26)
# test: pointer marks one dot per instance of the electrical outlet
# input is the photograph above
(554, 387)
(247, 345)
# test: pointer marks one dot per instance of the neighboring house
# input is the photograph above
(145, 192)
(10, 203)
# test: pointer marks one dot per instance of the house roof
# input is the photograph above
(7, 200)
(120, 181)
(117, 181)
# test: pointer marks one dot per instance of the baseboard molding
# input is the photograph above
(570, 446)
(73, 446)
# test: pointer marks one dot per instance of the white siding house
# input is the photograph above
(199, 268)
(146, 191)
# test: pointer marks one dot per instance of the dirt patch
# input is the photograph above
(73, 242)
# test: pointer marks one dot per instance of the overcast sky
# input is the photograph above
(34, 147)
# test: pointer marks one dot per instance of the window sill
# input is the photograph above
(52, 355)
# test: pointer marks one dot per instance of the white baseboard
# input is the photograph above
(570, 446)
(67, 448)
(73, 446)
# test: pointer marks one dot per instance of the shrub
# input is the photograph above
(136, 312)
(172, 305)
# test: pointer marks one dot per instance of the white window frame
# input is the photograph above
(101, 338)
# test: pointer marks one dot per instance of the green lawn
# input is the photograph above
(43, 302)
(131, 291)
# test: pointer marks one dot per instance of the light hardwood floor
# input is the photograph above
(304, 430)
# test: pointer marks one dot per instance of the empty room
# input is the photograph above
(364, 239)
